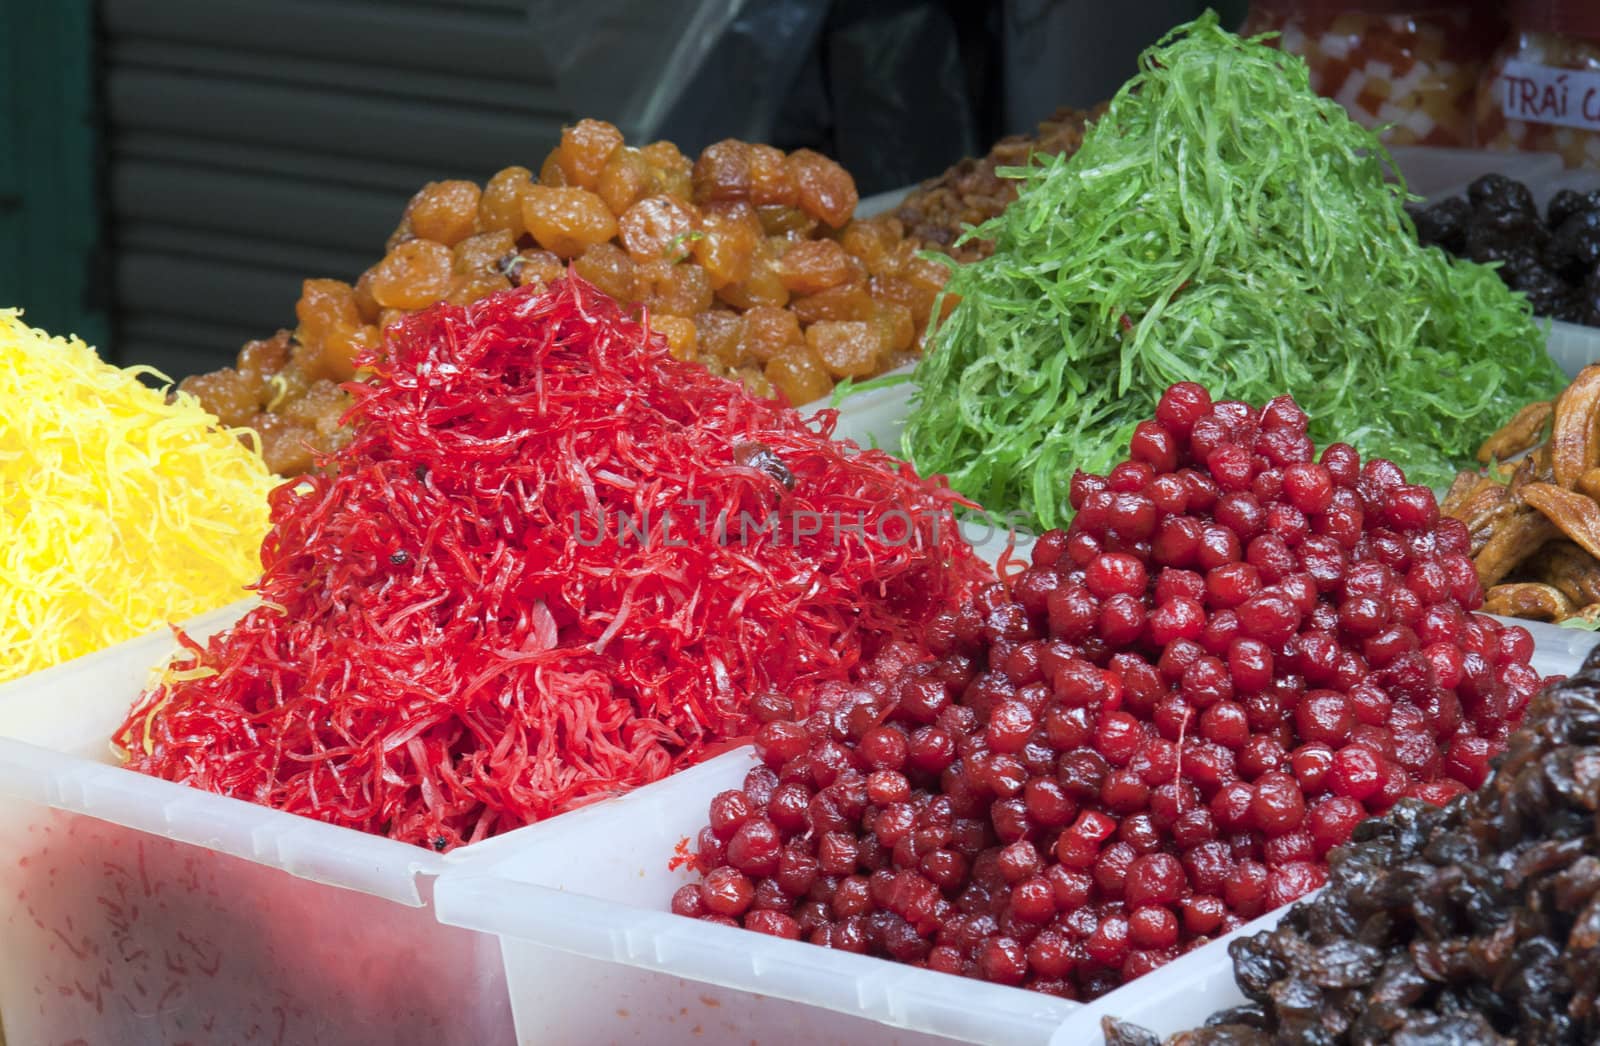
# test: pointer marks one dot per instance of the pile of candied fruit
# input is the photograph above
(748, 261)
(1156, 732)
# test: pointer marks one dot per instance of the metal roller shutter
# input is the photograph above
(253, 145)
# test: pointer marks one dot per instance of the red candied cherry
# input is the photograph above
(780, 741)
(688, 901)
(1050, 954)
(1325, 561)
(1237, 413)
(1269, 617)
(1246, 889)
(775, 924)
(1231, 584)
(1369, 702)
(1362, 616)
(755, 847)
(1018, 861)
(1222, 628)
(1225, 723)
(1241, 513)
(931, 750)
(1083, 486)
(1355, 773)
(1271, 556)
(1332, 820)
(1342, 462)
(1205, 681)
(1428, 581)
(1378, 477)
(1451, 536)
(1051, 546)
(885, 748)
(1033, 588)
(1230, 807)
(1268, 484)
(1278, 805)
(1292, 881)
(1108, 944)
(1300, 588)
(1010, 725)
(1410, 507)
(1467, 760)
(1289, 848)
(1003, 960)
(1438, 792)
(1441, 623)
(1157, 761)
(1311, 763)
(1308, 487)
(1324, 715)
(1463, 580)
(1282, 413)
(1067, 728)
(1153, 444)
(1173, 583)
(1153, 927)
(1209, 766)
(887, 786)
(1368, 578)
(1250, 665)
(1172, 717)
(1177, 657)
(1202, 914)
(1193, 827)
(1130, 476)
(1122, 619)
(1132, 516)
(1077, 683)
(1203, 491)
(1315, 655)
(1170, 494)
(1262, 752)
(1180, 618)
(1446, 662)
(1124, 792)
(726, 891)
(729, 810)
(1047, 804)
(1218, 546)
(1034, 900)
(1111, 868)
(1183, 404)
(1118, 736)
(1072, 611)
(1081, 545)
(1389, 645)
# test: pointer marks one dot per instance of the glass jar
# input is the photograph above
(1541, 90)
(1414, 66)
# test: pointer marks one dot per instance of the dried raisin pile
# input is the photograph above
(748, 260)
(1157, 731)
(939, 210)
(1477, 923)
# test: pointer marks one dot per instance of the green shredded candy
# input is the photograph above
(1220, 224)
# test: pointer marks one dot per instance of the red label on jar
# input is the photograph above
(1544, 94)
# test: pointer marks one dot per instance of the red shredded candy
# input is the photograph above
(553, 564)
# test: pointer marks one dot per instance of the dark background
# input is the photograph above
(170, 170)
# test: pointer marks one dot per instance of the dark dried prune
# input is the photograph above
(1444, 224)
(1563, 205)
(1577, 240)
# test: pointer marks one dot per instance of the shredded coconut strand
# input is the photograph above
(121, 511)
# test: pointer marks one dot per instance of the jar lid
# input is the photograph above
(1558, 17)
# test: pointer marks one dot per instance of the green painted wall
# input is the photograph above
(50, 229)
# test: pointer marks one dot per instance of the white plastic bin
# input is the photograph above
(136, 911)
(1182, 994)
(593, 954)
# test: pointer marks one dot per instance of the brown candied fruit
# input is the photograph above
(898, 290)
(826, 190)
(626, 179)
(753, 379)
(848, 301)
(320, 408)
(285, 446)
(674, 175)
(720, 333)
(679, 290)
(799, 375)
(893, 324)
(871, 241)
(264, 356)
(771, 182)
(445, 212)
(566, 221)
(815, 265)
(550, 172)
(500, 206)
(225, 393)
(585, 148)
(849, 348)
(325, 306)
(464, 290)
(534, 265)
(608, 267)
(767, 332)
(730, 235)
(342, 347)
(481, 253)
(779, 220)
(763, 286)
(412, 276)
(658, 226)
(680, 333)
(723, 172)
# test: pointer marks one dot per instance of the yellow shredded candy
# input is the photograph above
(119, 511)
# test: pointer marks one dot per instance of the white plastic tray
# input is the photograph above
(581, 904)
(1182, 994)
(136, 911)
